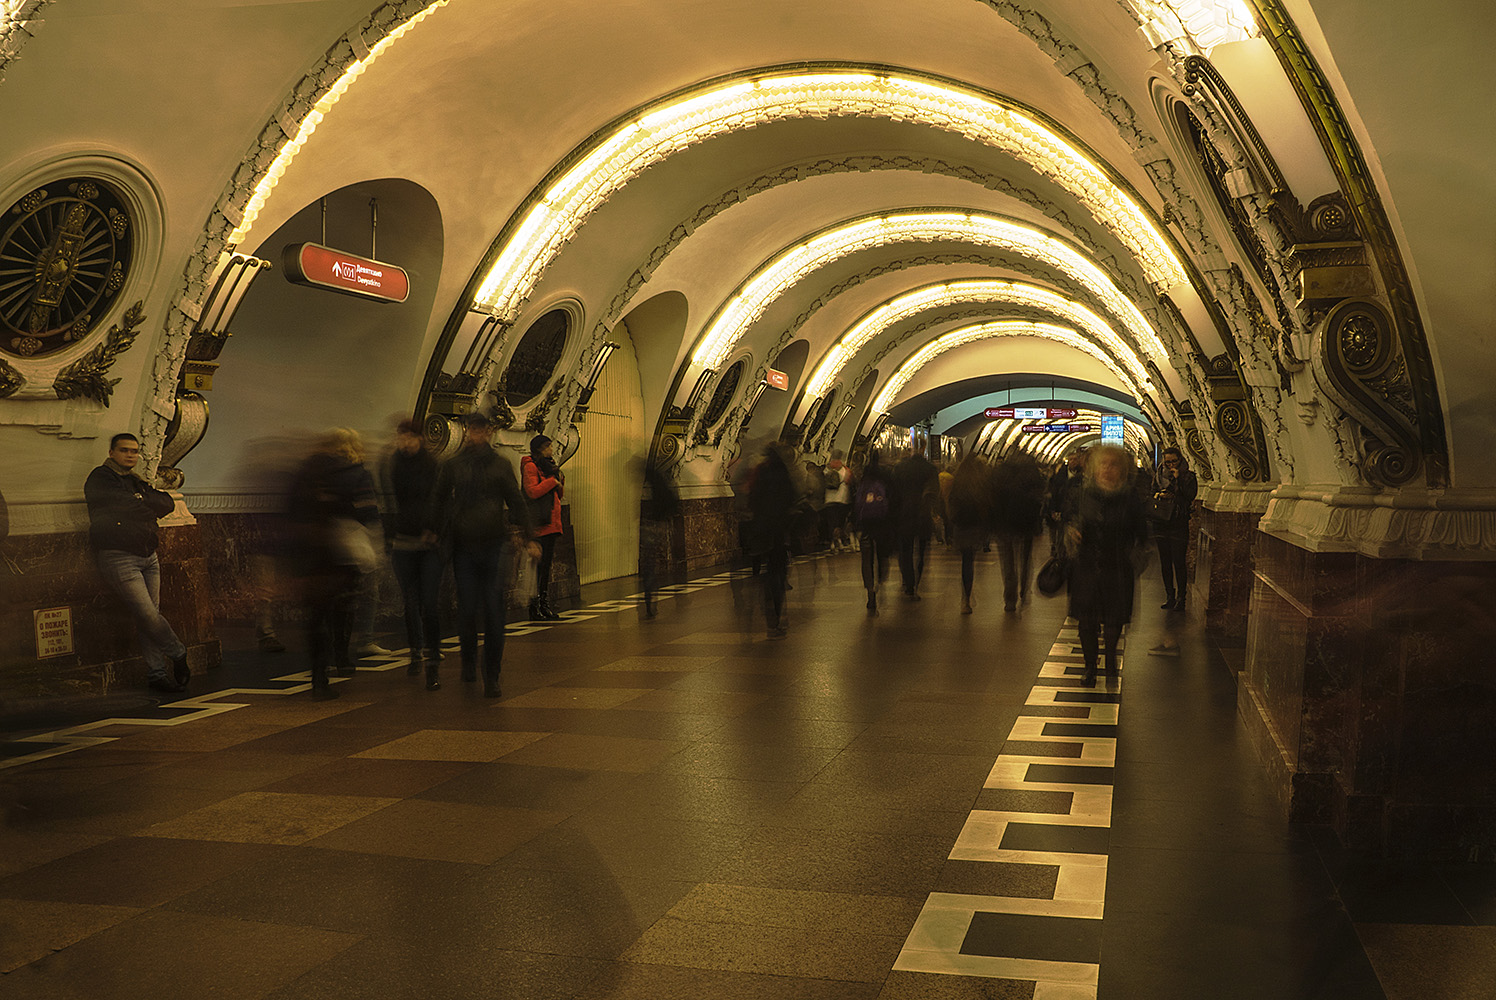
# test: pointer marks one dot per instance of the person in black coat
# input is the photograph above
(969, 508)
(331, 507)
(473, 491)
(122, 516)
(918, 488)
(875, 504)
(1017, 511)
(1104, 537)
(411, 478)
(1174, 494)
(772, 500)
(1064, 488)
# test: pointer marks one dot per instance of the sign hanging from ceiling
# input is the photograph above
(323, 267)
(1029, 413)
(1059, 428)
(776, 379)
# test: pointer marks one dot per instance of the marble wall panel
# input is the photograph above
(57, 570)
(1224, 543)
(1395, 699)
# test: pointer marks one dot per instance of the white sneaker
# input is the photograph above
(371, 649)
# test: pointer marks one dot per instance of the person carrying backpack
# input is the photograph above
(838, 486)
(874, 511)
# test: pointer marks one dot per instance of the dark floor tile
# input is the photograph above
(1020, 800)
(1056, 837)
(1068, 774)
(1081, 729)
(1055, 711)
(420, 965)
(837, 861)
(632, 981)
(333, 890)
(1042, 748)
(554, 789)
(923, 986)
(1396, 893)
(1045, 939)
(136, 871)
(695, 798)
(207, 956)
(1475, 887)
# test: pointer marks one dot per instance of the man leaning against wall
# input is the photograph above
(122, 515)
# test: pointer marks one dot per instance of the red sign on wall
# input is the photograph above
(777, 380)
(323, 267)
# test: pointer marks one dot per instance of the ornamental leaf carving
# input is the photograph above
(85, 378)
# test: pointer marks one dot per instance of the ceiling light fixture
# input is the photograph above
(954, 293)
(988, 331)
(758, 292)
(654, 135)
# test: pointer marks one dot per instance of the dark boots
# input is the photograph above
(321, 689)
(490, 681)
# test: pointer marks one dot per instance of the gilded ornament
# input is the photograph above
(85, 377)
(31, 202)
(10, 380)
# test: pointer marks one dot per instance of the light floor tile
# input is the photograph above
(479, 746)
(32, 929)
(269, 818)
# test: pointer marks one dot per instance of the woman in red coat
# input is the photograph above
(542, 481)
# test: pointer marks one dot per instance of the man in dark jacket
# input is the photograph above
(772, 501)
(411, 477)
(917, 487)
(122, 516)
(1174, 495)
(467, 514)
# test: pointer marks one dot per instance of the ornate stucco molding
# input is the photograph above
(19, 23)
(1426, 525)
(1371, 220)
(1237, 498)
(159, 407)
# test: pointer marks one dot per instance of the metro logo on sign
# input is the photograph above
(777, 380)
(323, 267)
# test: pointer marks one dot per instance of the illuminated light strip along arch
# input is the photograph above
(659, 132)
(951, 293)
(988, 331)
(758, 292)
(314, 117)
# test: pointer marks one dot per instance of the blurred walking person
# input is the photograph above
(969, 507)
(1105, 537)
(658, 512)
(411, 473)
(772, 499)
(1169, 510)
(1018, 506)
(330, 510)
(473, 491)
(874, 511)
(918, 488)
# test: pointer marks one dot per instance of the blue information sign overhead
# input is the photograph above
(1111, 428)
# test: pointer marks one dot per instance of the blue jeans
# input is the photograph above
(137, 582)
(419, 572)
(480, 572)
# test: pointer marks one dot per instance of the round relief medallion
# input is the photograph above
(65, 252)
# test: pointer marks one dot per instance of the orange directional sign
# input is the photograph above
(323, 267)
(777, 380)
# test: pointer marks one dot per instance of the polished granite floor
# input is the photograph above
(916, 805)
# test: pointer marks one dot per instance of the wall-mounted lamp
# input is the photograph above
(589, 384)
(751, 400)
(231, 280)
(698, 390)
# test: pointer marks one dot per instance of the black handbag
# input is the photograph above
(541, 508)
(1161, 508)
(1053, 575)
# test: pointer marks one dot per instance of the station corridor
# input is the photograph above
(914, 805)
